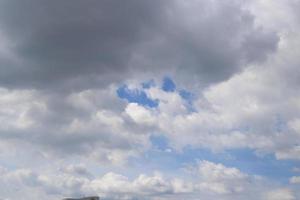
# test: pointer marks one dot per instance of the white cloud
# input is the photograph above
(295, 180)
(88, 123)
(218, 178)
(79, 169)
(280, 194)
(211, 180)
(16, 107)
(214, 172)
(292, 152)
(140, 114)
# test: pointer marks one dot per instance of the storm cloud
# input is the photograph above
(79, 44)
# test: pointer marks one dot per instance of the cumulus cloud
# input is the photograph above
(86, 125)
(218, 178)
(212, 180)
(280, 194)
(295, 180)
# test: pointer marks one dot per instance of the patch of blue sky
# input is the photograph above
(162, 157)
(186, 95)
(136, 96)
(139, 95)
(159, 142)
(265, 165)
(189, 98)
(168, 85)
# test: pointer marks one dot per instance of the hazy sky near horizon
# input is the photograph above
(150, 99)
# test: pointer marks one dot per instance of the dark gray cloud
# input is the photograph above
(89, 43)
(67, 40)
(210, 40)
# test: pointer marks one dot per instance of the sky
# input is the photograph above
(150, 100)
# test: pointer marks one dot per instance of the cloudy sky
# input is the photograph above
(150, 99)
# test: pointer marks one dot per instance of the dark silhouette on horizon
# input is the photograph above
(84, 198)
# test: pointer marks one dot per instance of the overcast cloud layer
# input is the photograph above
(156, 100)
